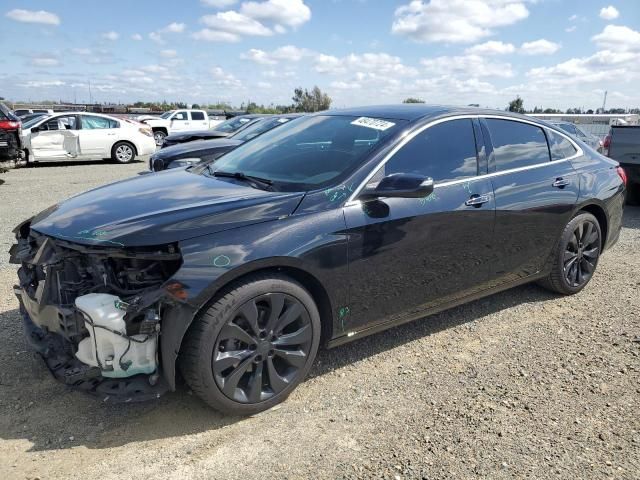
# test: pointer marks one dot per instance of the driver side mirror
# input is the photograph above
(400, 185)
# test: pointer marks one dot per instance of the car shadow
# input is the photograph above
(79, 162)
(50, 416)
(631, 217)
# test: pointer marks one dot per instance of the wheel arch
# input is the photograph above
(161, 129)
(178, 321)
(600, 214)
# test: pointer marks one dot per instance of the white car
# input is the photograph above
(85, 136)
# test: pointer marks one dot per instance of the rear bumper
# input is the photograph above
(146, 146)
(10, 146)
(633, 171)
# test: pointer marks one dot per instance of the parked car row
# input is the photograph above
(319, 231)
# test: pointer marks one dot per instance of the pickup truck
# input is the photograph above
(175, 121)
(623, 144)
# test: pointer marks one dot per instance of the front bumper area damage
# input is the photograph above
(94, 313)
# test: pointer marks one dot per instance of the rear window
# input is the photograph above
(517, 144)
(560, 146)
(197, 115)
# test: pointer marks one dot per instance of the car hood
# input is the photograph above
(196, 134)
(162, 208)
(195, 148)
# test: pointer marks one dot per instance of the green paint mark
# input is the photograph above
(335, 194)
(432, 197)
(467, 186)
(120, 305)
(342, 313)
(221, 261)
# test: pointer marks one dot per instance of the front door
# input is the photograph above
(180, 121)
(55, 139)
(409, 255)
(536, 189)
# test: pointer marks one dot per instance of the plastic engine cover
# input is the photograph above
(108, 347)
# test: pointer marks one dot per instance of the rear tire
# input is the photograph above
(123, 152)
(576, 255)
(253, 346)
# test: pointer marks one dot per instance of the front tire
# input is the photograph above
(123, 152)
(576, 255)
(159, 136)
(253, 346)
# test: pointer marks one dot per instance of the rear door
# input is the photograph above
(97, 135)
(199, 120)
(535, 193)
(416, 253)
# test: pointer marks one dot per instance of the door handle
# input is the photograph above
(560, 183)
(476, 200)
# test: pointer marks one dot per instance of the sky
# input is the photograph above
(552, 53)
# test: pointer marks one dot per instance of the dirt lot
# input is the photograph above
(523, 384)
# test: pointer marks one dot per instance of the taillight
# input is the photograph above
(9, 125)
(607, 141)
(146, 131)
(622, 174)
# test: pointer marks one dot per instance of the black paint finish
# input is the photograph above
(369, 264)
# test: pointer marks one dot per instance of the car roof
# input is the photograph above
(416, 111)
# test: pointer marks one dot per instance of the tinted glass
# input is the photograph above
(309, 153)
(95, 123)
(569, 128)
(560, 146)
(517, 144)
(444, 152)
(258, 128)
(197, 115)
(232, 124)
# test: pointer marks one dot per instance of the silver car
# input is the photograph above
(591, 140)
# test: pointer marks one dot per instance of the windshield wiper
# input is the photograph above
(265, 183)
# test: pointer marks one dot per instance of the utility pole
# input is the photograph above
(604, 102)
(90, 97)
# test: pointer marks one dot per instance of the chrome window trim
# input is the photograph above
(579, 152)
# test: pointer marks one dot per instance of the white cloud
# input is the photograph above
(465, 66)
(609, 13)
(42, 83)
(291, 13)
(539, 47)
(618, 38)
(44, 62)
(156, 37)
(456, 21)
(570, 29)
(224, 78)
(218, 3)
(33, 16)
(378, 63)
(168, 53)
(287, 53)
(264, 85)
(209, 35)
(573, 17)
(113, 36)
(136, 36)
(340, 85)
(174, 28)
(491, 47)
(235, 23)
(81, 51)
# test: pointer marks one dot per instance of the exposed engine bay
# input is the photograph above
(93, 312)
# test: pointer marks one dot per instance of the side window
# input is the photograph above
(180, 116)
(60, 123)
(197, 115)
(95, 123)
(517, 144)
(444, 152)
(114, 124)
(560, 146)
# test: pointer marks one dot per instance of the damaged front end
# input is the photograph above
(94, 312)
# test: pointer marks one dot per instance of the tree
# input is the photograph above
(516, 105)
(413, 100)
(310, 101)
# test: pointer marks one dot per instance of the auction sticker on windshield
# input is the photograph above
(374, 123)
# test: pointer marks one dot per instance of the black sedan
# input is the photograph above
(224, 129)
(332, 227)
(190, 153)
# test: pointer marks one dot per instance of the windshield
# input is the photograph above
(258, 128)
(311, 152)
(167, 114)
(32, 121)
(232, 124)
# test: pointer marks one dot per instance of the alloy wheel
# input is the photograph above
(124, 153)
(262, 348)
(581, 254)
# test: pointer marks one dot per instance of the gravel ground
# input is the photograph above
(523, 384)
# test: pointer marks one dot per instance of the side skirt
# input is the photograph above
(350, 336)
